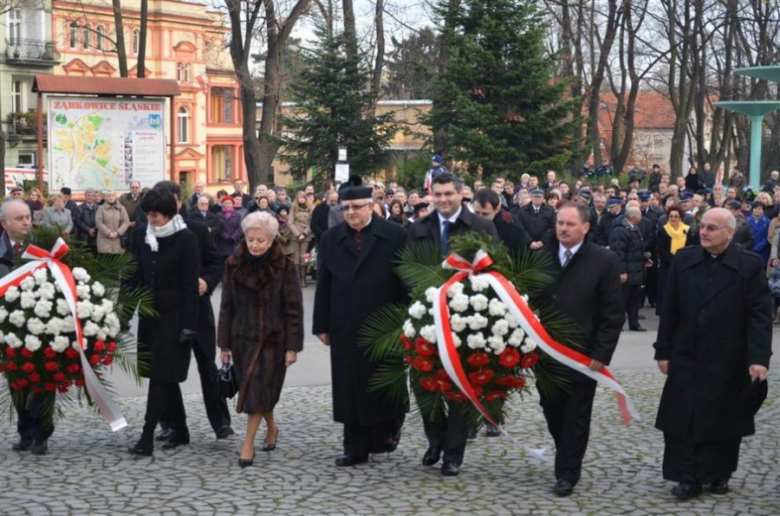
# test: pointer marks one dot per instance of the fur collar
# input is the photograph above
(243, 273)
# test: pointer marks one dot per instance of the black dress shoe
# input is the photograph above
(140, 449)
(637, 328)
(177, 437)
(686, 490)
(22, 445)
(271, 446)
(245, 463)
(450, 469)
(492, 431)
(40, 447)
(431, 457)
(351, 460)
(563, 488)
(225, 432)
(720, 487)
(164, 434)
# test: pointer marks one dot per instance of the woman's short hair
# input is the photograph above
(676, 208)
(109, 193)
(757, 204)
(160, 200)
(263, 221)
(58, 197)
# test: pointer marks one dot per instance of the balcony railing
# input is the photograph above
(30, 51)
(25, 124)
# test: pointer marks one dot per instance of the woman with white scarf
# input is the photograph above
(167, 267)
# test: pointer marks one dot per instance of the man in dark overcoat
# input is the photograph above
(355, 278)
(651, 214)
(448, 220)
(627, 242)
(714, 343)
(210, 270)
(538, 220)
(587, 289)
(487, 205)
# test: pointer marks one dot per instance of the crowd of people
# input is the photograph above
(695, 249)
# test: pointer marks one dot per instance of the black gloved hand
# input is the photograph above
(187, 337)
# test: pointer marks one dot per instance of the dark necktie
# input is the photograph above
(17, 249)
(445, 237)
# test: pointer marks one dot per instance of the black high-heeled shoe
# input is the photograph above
(141, 450)
(271, 447)
(245, 463)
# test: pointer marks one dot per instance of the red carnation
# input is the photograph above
(479, 359)
(495, 395)
(28, 367)
(51, 366)
(112, 347)
(405, 342)
(509, 358)
(94, 360)
(49, 353)
(481, 377)
(409, 359)
(79, 382)
(429, 384)
(10, 352)
(443, 385)
(423, 347)
(26, 353)
(36, 389)
(34, 378)
(58, 377)
(49, 386)
(423, 364)
(73, 368)
(529, 360)
(441, 374)
(456, 396)
(108, 360)
(62, 389)
(100, 345)
(11, 367)
(21, 384)
(71, 353)
(513, 382)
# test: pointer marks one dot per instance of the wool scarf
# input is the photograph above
(678, 235)
(173, 226)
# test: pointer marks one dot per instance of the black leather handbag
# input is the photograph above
(228, 384)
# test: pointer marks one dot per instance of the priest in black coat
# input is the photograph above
(448, 220)
(587, 289)
(714, 343)
(355, 278)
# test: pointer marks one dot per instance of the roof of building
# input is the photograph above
(112, 86)
(653, 110)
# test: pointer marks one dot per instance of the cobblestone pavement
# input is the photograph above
(88, 471)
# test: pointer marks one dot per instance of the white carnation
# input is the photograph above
(12, 294)
(409, 330)
(430, 294)
(497, 344)
(511, 321)
(428, 333)
(32, 343)
(102, 334)
(17, 318)
(476, 341)
(112, 321)
(525, 298)
(28, 300)
(516, 339)
(477, 322)
(47, 291)
(418, 310)
(84, 309)
(68, 324)
(107, 305)
(529, 345)
(80, 274)
(456, 341)
(455, 290)
(496, 308)
(458, 323)
(478, 283)
(98, 312)
(62, 307)
(13, 341)
(500, 328)
(27, 284)
(60, 344)
(460, 303)
(83, 291)
(98, 289)
(54, 326)
(35, 326)
(479, 302)
(40, 276)
(43, 308)
(3, 314)
(91, 329)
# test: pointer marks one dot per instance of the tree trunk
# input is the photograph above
(121, 51)
(141, 66)
(350, 33)
(376, 80)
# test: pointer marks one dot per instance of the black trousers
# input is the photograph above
(163, 398)
(35, 415)
(449, 435)
(360, 440)
(686, 460)
(568, 419)
(631, 303)
(216, 407)
(651, 283)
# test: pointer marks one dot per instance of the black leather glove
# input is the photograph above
(187, 337)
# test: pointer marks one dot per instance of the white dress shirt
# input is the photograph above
(562, 252)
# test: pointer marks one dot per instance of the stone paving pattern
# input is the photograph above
(88, 471)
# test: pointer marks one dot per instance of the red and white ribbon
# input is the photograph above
(64, 278)
(527, 320)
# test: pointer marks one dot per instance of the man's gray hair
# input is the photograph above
(261, 220)
(89, 191)
(731, 221)
(6, 208)
(633, 213)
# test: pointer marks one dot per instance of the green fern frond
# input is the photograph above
(381, 331)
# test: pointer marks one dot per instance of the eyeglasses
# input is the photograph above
(353, 207)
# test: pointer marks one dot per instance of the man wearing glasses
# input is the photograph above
(714, 343)
(355, 278)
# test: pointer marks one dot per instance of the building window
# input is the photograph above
(184, 125)
(74, 34)
(87, 35)
(26, 159)
(179, 70)
(186, 72)
(99, 37)
(221, 157)
(16, 97)
(14, 26)
(222, 105)
(136, 41)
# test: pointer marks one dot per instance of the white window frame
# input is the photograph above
(32, 160)
(186, 72)
(183, 126)
(74, 34)
(86, 34)
(17, 96)
(136, 41)
(14, 26)
(100, 32)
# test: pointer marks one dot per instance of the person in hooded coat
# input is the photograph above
(355, 278)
